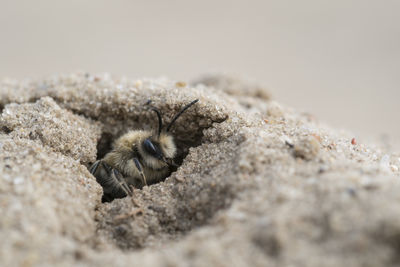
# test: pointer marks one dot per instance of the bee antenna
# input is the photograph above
(157, 111)
(180, 113)
(159, 119)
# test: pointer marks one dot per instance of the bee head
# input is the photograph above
(161, 146)
(159, 149)
(152, 148)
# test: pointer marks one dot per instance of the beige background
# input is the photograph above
(339, 60)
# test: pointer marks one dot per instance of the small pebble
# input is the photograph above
(138, 83)
(317, 137)
(353, 141)
(274, 110)
(307, 148)
(180, 84)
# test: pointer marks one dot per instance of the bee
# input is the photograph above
(138, 158)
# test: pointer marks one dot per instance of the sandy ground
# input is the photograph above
(259, 184)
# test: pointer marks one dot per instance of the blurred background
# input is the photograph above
(339, 60)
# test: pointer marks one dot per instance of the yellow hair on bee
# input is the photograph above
(128, 140)
(167, 145)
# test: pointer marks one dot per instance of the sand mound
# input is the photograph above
(258, 184)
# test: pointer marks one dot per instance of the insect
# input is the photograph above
(138, 158)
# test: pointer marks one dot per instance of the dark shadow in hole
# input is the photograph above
(104, 145)
(5, 130)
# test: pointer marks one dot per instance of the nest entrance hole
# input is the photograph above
(183, 142)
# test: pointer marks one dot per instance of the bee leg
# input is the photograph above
(112, 186)
(140, 169)
(106, 167)
(171, 162)
(94, 167)
(118, 176)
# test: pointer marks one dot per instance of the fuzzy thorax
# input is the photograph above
(131, 142)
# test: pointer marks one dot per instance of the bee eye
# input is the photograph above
(151, 148)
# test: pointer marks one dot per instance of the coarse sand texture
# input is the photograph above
(258, 184)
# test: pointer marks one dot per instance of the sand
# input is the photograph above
(259, 184)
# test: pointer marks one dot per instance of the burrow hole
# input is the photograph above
(186, 134)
